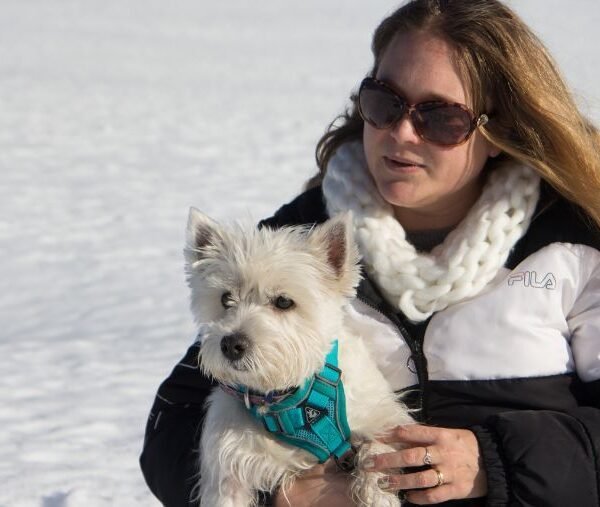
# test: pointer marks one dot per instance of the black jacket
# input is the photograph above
(539, 435)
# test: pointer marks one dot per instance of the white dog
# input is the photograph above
(271, 308)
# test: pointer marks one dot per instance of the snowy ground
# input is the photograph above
(115, 117)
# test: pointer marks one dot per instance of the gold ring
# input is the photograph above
(440, 477)
(427, 457)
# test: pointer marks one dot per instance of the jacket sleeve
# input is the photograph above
(169, 455)
(552, 458)
(537, 457)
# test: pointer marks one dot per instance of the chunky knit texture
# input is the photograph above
(416, 283)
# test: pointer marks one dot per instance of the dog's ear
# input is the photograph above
(335, 240)
(201, 233)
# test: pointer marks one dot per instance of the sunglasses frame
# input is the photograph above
(476, 120)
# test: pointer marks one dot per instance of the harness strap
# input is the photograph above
(312, 417)
(250, 398)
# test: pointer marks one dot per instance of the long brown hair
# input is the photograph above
(534, 119)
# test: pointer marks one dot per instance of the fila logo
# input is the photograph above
(531, 279)
(312, 414)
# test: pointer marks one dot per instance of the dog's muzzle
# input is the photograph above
(234, 346)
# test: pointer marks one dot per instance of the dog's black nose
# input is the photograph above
(234, 346)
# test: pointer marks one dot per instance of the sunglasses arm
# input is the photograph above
(482, 120)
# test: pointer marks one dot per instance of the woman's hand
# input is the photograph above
(453, 456)
(321, 486)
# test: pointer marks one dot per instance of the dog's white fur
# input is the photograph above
(318, 270)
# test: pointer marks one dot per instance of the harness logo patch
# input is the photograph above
(312, 414)
(531, 279)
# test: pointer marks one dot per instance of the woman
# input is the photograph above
(474, 184)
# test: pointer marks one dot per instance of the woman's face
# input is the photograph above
(430, 186)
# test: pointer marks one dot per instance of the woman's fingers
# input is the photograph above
(431, 478)
(315, 471)
(414, 434)
(439, 464)
(431, 496)
(320, 486)
(404, 458)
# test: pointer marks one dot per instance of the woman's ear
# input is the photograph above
(494, 151)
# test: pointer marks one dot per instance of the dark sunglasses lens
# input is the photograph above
(379, 107)
(443, 124)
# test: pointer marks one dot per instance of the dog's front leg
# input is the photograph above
(223, 454)
(245, 462)
(238, 457)
(220, 482)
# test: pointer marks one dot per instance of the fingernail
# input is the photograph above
(369, 463)
(383, 482)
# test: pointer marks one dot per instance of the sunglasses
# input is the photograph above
(437, 122)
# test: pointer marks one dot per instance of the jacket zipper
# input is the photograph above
(417, 356)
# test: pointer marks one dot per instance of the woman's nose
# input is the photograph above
(404, 131)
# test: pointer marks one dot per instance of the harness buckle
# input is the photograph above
(347, 461)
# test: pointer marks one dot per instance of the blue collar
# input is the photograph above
(312, 416)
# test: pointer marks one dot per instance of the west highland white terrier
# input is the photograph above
(271, 308)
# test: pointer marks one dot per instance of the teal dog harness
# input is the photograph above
(312, 416)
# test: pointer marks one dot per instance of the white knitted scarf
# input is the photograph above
(416, 283)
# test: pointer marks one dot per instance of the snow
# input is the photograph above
(115, 117)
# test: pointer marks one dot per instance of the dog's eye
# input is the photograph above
(283, 303)
(227, 300)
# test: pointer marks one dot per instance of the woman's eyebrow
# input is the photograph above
(425, 97)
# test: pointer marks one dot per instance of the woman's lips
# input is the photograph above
(402, 165)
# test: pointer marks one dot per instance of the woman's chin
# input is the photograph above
(402, 193)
